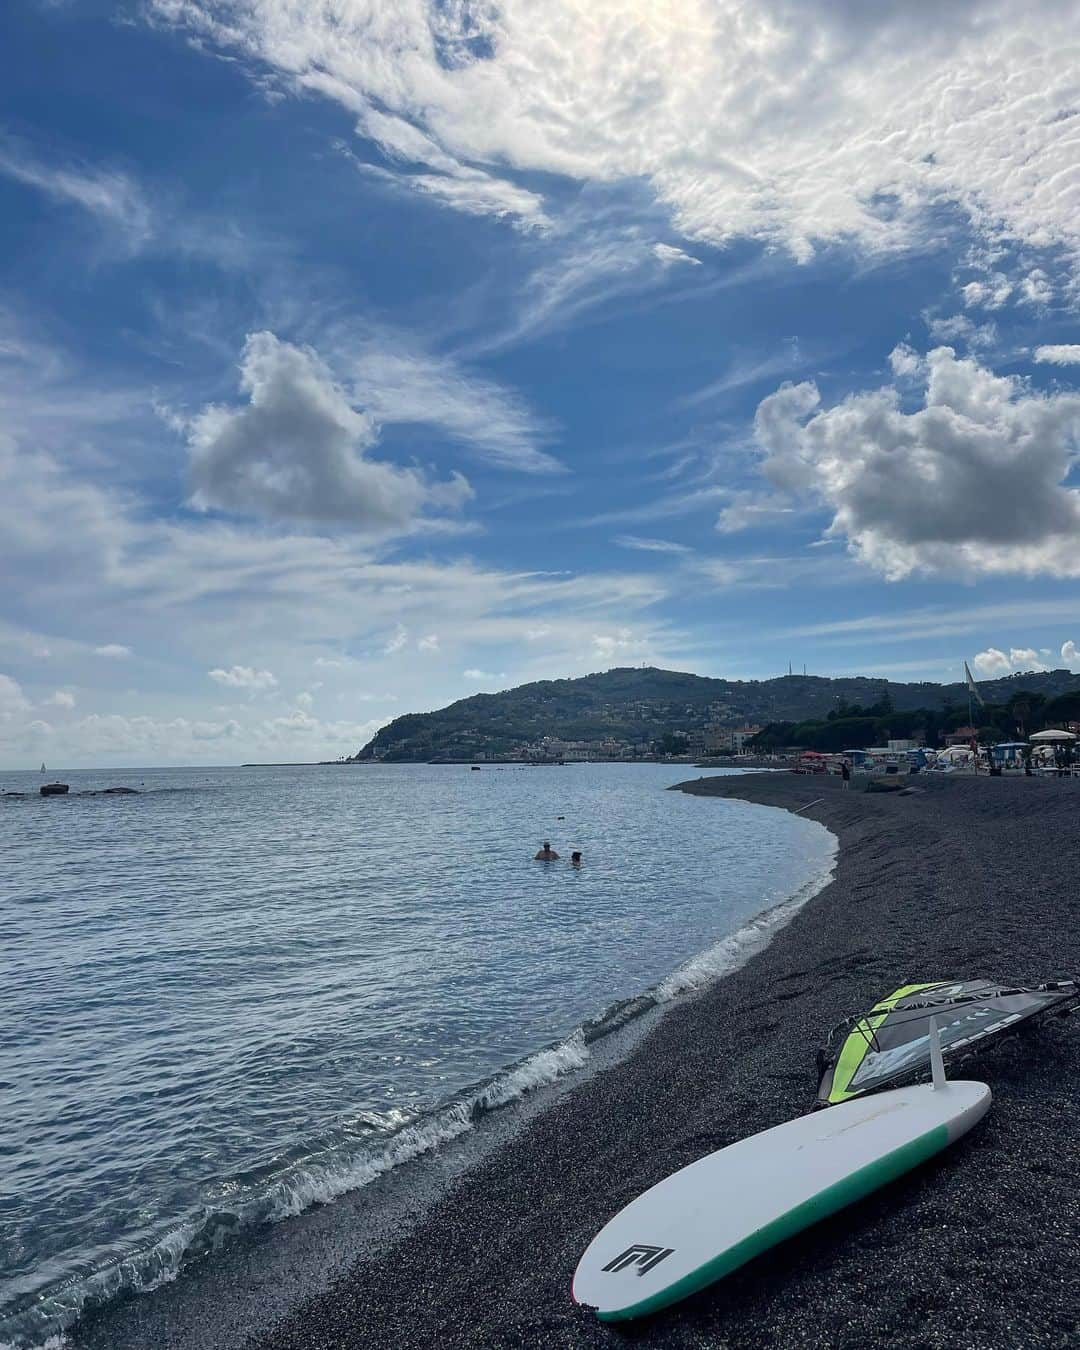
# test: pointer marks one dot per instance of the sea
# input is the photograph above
(240, 992)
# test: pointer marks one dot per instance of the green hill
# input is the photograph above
(637, 707)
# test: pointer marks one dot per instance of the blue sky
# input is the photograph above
(357, 358)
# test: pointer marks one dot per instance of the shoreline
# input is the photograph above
(926, 886)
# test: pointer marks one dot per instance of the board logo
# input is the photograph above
(641, 1256)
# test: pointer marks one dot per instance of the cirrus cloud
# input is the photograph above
(794, 124)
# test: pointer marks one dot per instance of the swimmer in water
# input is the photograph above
(575, 859)
(546, 854)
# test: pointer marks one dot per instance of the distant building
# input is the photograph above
(962, 736)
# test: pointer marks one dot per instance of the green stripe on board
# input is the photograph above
(820, 1206)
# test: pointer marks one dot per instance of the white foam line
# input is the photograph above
(733, 952)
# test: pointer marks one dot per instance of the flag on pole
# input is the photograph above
(973, 687)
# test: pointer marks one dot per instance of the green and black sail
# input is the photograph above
(891, 1043)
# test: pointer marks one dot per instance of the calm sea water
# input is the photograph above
(244, 991)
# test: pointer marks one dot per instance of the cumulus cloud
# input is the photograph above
(296, 450)
(1070, 654)
(988, 294)
(621, 645)
(790, 123)
(973, 481)
(116, 651)
(61, 699)
(1027, 658)
(484, 676)
(905, 362)
(244, 677)
(1059, 354)
(429, 643)
(1035, 289)
(993, 663)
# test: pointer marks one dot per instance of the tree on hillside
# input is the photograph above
(1024, 707)
(1064, 708)
(670, 744)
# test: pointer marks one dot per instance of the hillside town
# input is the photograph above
(684, 744)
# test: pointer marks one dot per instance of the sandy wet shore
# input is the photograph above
(976, 1250)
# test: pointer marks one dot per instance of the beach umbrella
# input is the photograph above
(1045, 737)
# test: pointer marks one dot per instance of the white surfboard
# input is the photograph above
(711, 1217)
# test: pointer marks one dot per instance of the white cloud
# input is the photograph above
(1026, 658)
(483, 676)
(974, 481)
(1060, 354)
(751, 510)
(244, 677)
(460, 186)
(959, 328)
(794, 124)
(650, 545)
(482, 194)
(396, 383)
(304, 700)
(296, 450)
(397, 641)
(429, 643)
(1070, 654)
(905, 361)
(994, 663)
(622, 645)
(1036, 288)
(116, 651)
(989, 294)
(111, 196)
(61, 699)
(669, 254)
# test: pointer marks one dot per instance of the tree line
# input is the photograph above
(849, 725)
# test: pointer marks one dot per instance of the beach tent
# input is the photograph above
(1047, 737)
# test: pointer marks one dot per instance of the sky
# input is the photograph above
(359, 357)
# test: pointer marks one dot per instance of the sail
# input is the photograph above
(892, 1041)
(973, 687)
